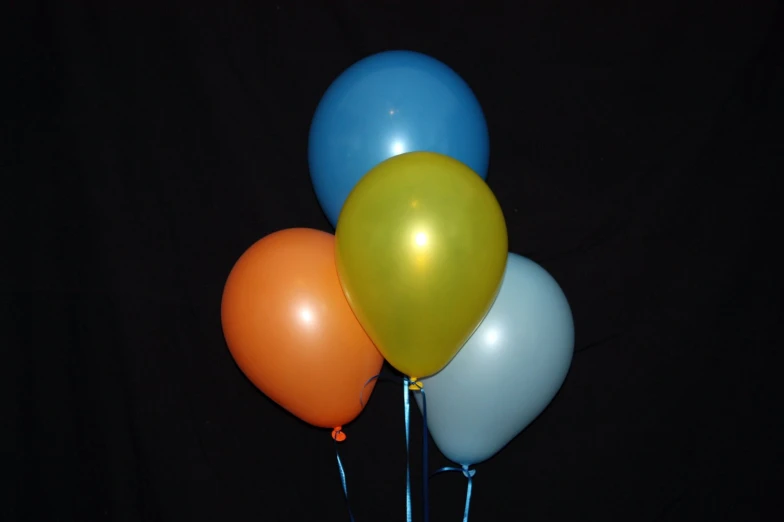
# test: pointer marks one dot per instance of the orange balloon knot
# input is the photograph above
(416, 385)
(338, 435)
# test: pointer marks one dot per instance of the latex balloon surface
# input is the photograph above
(384, 105)
(509, 370)
(421, 249)
(291, 331)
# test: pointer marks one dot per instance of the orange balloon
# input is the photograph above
(292, 333)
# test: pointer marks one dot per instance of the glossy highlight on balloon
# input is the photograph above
(421, 247)
(291, 331)
(508, 372)
(388, 104)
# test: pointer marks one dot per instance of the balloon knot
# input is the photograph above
(338, 435)
(415, 385)
(469, 473)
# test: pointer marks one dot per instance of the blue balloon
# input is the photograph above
(507, 372)
(384, 105)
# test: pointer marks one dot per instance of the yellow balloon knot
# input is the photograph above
(415, 385)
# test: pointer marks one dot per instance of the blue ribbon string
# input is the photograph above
(343, 480)
(469, 474)
(409, 385)
(362, 393)
(407, 411)
(425, 445)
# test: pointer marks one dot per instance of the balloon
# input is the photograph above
(421, 250)
(384, 105)
(507, 372)
(291, 331)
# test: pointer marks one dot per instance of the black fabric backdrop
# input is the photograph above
(635, 155)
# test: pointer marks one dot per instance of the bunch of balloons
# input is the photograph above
(418, 271)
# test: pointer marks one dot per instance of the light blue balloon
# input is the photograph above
(384, 105)
(509, 370)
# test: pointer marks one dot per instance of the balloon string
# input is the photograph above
(342, 477)
(362, 392)
(417, 386)
(408, 385)
(469, 474)
(336, 437)
(425, 444)
(406, 410)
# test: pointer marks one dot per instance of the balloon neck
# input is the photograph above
(338, 435)
(415, 384)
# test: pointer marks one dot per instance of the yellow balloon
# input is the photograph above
(421, 247)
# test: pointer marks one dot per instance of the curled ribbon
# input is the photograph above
(469, 474)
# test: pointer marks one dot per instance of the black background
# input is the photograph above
(635, 153)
